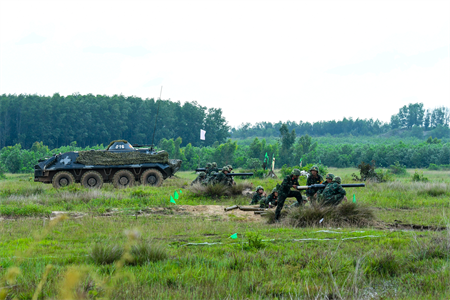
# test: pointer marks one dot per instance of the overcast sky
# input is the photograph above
(257, 60)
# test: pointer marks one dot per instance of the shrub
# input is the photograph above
(254, 241)
(345, 214)
(147, 252)
(368, 172)
(433, 191)
(433, 167)
(419, 177)
(398, 169)
(106, 254)
(141, 253)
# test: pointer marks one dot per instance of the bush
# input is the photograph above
(106, 254)
(398, 169)
(146, 252)
(345, 214)
(419, 177)
(433, 167)
(368, 172)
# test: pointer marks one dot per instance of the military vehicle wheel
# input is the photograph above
(92, 180)
(152, 177)
(123, 179)
(62, 178)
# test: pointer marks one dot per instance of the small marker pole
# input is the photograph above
(354, 199)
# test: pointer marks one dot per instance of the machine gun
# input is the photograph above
(200, 170)
(322, 186)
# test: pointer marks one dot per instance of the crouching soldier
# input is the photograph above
(270, 201)
(258, 195)
(333, 194)
(200, 178)
(291, 181)
(222, 177)
(313, 178)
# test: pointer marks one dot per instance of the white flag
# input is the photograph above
(202, 134)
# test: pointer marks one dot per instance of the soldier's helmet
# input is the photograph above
(225, 169)
(337, 179)
(214, 164)
(202, 174)
(274, 190)
(208, 165)
(230, 167)
(314, 168)
(296, 172)
(330, 176)
(259, 188)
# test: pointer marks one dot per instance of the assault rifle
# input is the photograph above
(200, 170)
(322, 186)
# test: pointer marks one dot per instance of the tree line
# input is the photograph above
(93, 120)
(411, 120)
(289, 150)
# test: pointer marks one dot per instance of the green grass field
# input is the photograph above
(191, 256)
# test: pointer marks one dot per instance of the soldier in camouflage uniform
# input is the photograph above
(271, 200)
(313, 178)
(258, 195)
(214, 168)
(333, 194)
(291, 181)
(328, 179)
(200, 178)
(232, 177)
(222, 177)
(208, 169)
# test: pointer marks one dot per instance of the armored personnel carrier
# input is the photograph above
(120, 163)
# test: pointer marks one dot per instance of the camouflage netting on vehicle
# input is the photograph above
(107, 158)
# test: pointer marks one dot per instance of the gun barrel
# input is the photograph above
(322, 186)
(240, 174)
(200, 170)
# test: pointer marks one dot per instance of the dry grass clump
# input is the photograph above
(345, 214)
(141, 253)
(105, 254)
(218, 190)
(147, 252)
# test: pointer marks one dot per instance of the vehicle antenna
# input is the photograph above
(156, 119)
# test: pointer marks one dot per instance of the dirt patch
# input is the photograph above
(217, 211)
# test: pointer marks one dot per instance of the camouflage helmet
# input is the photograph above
(214, 164)
(295, 172)
(208, 165)
(259, 188)
(274, 190)
(230, 167)
(202, 174)
(330, 176)
(314, 168)
(337, 179)
(225, 169)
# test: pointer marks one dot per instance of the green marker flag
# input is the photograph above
(181, 192)
(234, 236)
(354, 199)
(176, 195)
(172, 201)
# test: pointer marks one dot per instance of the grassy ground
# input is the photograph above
(203, 262)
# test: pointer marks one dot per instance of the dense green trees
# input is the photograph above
(413, 118)
(92, 120)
